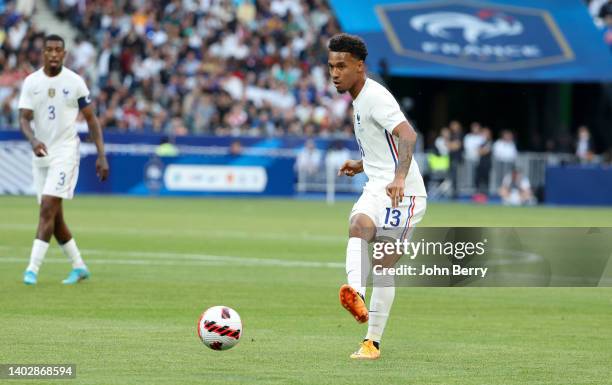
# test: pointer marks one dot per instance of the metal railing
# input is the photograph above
(531, 164)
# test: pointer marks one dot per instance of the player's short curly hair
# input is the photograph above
(54, 37)
(352, 44)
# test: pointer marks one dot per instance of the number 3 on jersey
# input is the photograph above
(393, 217)
(51, 112)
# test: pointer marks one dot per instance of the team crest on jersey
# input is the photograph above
(51, 92)
(358, 121)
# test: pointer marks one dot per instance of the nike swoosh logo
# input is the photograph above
(36, 92)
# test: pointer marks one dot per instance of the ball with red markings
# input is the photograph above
(220, 328)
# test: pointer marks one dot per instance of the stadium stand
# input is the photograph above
(211, 67)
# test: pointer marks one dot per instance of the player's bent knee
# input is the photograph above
(362, 227)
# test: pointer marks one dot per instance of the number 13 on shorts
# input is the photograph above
(392, 217)
(407, 214)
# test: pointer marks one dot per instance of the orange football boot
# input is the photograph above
(352, 301)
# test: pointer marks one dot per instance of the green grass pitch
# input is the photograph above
(158, 263)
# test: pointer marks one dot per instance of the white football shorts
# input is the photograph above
(394, 222)
(58, 178)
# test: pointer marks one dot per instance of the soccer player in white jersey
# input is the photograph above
(52, 98)
(394, 196)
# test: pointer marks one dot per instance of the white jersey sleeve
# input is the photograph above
(387, 114)
(25, 98)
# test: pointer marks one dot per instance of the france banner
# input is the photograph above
(511, 40)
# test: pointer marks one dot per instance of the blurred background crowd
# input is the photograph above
(237, 68)
(212, 67)
(192, 67)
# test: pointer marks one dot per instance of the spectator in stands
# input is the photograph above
(105, 60)
(584, 145)
(515, 189)
(203, 113)
(132, 118)
(504, 155)
(25, 7)
(504, 148)
(472, 142)
(441, 142)
(471, 146)
(337, 155)
(308, 162)
(83, 55)
(483, 170)
(203, 60)
(8, 107)
(177, 127)
(455, 152)
(436, 179)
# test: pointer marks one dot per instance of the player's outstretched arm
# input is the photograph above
(351, 168)
(95, 131)
(25, 117)
(407, 139)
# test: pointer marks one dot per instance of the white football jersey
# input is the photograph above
(376, 114)
(55, 104)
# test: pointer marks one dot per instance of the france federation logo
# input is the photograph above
(472, 28)
(473, 34)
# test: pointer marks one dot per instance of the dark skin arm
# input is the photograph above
(25, 117)
(95, 131)
(351, 167)
(407, 139)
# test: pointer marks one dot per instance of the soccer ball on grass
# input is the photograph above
(220, 328)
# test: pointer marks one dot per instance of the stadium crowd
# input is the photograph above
(180, 67)
(177, 67)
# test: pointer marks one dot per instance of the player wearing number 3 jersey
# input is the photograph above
(394, 198)
(51, 98)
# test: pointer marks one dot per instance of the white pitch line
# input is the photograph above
(152, 258)
(188, 259)
(519, 258)
(232, 234)
(136, 262)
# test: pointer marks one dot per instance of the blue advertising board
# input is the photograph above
(190, 175)
(513, 40)
(578, 185)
